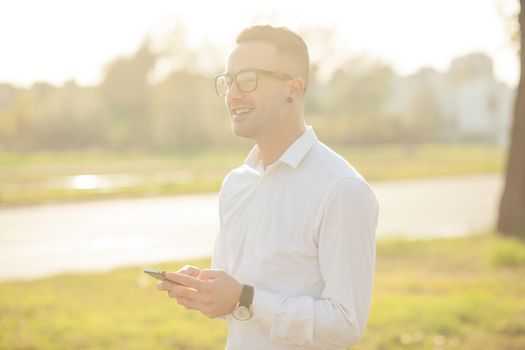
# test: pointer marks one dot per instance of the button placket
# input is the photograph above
(258, 232)
(256, 213)
(243, 248)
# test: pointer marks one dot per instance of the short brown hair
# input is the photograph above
(285, 40)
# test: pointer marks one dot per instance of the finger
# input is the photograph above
(165, 286)
(186, 280)
(189, 293)
(189, 270)
(173, 294)
(181, 301)
(188, 304)
(183, 293)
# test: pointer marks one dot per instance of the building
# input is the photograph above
(464, 103)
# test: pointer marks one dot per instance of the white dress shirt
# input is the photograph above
(302, 233)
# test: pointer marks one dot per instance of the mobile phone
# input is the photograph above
(158, 274)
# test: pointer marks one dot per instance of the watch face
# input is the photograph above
(242, 313)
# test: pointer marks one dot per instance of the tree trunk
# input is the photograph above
(511, 219)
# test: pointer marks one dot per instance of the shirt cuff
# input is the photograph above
(265, 306)
(227, 317)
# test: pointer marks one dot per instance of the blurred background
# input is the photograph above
(113, 145)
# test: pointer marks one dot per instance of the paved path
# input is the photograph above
(38, 241)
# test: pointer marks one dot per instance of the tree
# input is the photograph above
(127, 90)
(511, 219)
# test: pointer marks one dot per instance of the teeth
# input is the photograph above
(242, 110)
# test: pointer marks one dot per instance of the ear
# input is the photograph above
(296, 88)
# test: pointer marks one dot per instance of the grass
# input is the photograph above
(448, 294)
(462, 293)
(45, 177)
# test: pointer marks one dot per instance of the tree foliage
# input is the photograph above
(136, 108)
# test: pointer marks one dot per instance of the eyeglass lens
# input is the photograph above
(246, 82)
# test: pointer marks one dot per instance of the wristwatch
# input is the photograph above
(243, 309)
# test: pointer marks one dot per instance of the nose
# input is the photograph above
(234, 94)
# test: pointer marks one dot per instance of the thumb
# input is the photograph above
(210, 274)
(190, 270)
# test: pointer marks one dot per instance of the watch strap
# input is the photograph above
(246, 298)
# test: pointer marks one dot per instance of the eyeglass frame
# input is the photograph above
(277, 75)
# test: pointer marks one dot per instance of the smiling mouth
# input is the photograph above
(242, 111)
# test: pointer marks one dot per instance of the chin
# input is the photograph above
(243, 131)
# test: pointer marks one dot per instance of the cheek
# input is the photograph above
(275, 99)
(277, 103)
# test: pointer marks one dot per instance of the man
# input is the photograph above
(294, 259)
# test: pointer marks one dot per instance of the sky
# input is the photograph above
(60, 40)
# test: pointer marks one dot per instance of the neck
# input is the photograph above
(272, 147)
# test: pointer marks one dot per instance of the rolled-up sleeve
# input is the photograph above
(346, 244)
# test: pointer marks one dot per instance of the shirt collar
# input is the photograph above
(292, 156)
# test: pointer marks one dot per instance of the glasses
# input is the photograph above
(245, 80)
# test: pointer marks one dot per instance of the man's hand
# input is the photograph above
(212, 292)
(186, 270)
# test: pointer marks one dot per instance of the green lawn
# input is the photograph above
(463, 293)
(43, 177)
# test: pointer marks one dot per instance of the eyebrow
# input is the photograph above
(263, 71)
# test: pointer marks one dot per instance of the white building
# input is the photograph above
(467, 99)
